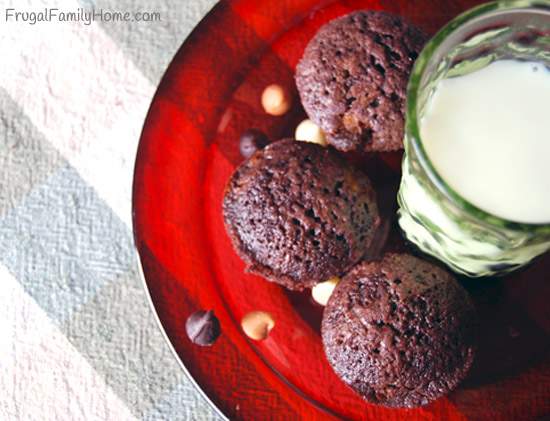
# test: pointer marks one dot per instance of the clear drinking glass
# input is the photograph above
(432, 215)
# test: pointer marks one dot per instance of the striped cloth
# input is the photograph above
(78, 340)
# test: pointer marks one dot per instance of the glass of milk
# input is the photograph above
(475, 191)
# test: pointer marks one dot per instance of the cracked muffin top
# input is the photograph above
(400, 332)
(353, 77)
(298, 214)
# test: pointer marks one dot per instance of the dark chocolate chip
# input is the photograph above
(252, 140)
(203, 327)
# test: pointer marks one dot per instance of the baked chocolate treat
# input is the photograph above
(400, 332)
(297, 213)
(353, 77)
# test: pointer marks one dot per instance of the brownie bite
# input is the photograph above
(353, 77)
(400, 332)
(297, 213)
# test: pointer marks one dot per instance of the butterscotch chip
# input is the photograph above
(257, 325)
(323, 290)
(275, 100)
(308, 131)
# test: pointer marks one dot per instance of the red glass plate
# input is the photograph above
(189, 147)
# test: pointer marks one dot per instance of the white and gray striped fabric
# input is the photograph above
(77, 338)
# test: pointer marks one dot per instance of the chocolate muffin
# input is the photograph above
(400, 332)
(353, 77)
(297, 213)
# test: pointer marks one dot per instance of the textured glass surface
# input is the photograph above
(433, 216)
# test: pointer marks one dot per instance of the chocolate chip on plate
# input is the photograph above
(252, 140)
(203, 327)
(308, 131)
(258, 324)
(276, 100)
(323, 290)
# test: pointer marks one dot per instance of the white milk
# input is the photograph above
(488, 135)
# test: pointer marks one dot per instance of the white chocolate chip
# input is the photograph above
(322, 291)
(275, 100)
(257, 325)
(308, 131)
